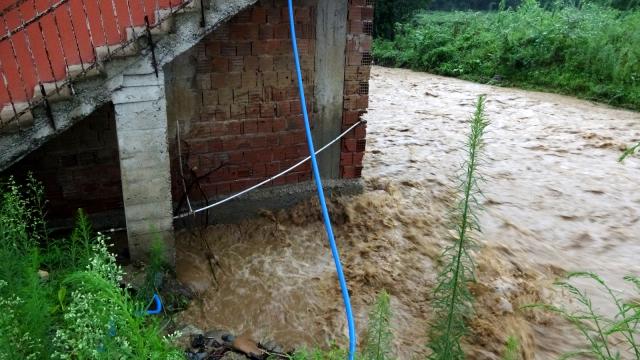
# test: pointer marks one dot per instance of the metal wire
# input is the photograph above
(86, 67)
(88, 25)
(12, 6)
(298, 164)
(6, 85)
(17, 61)
(39, 15)
(184, 183)
(64, 54)
(115, 15)
(102, 27)
(75, 37)
(30, 50)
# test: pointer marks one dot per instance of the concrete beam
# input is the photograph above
(331, 42)
(141, 124)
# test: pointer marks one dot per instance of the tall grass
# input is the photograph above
(597, 329)
(378, 341)
(588, 50)
(80, 311)
(452, 299)
(25, 319)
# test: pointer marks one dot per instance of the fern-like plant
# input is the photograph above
(596, 328)
(379, 337)
(452, 299)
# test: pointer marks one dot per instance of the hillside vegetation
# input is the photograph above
(590, 50)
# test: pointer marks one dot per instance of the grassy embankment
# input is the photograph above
(592, 52)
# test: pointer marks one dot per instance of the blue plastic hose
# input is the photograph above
(318, 181)
(158, 309)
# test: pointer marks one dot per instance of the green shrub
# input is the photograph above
(449, 5)
(27, 318)
(15, 340)
(73, 253)
(154, 270)
(80, 311)
(102, 321)
(590, 51)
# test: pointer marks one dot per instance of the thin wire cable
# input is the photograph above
(184, 183)
(298, 164)
(318, 180)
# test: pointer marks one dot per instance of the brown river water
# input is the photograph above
(556, 200)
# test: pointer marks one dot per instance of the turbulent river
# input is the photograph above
(555, 200)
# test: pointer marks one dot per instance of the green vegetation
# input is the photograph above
(77, 309)
(590, 51)
(630, 152)
(598, 329)
(512, 349)
(452, 298)
(496, 4)
(378, 341)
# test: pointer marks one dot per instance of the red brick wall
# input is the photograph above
(250, 121)
(79, 168)
(250, 124)
(356, 88)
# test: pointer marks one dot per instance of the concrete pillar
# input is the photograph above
(141, 124)
(331, 42)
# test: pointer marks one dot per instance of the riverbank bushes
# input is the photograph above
(63, 299)
(589, 51)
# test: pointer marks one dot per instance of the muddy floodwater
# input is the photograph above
(556, 200)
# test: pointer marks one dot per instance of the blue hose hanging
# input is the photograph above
(318, 181)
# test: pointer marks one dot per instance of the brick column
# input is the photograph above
(356, 85)
(141, 124)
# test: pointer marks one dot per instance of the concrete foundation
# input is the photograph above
(141, 124)
(271, 199)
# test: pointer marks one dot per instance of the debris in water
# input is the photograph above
(221, 344)
(246, 345)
